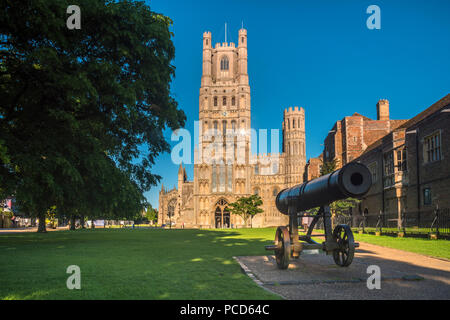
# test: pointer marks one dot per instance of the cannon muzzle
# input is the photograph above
(352, 180)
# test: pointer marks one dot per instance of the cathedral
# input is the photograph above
(224, 167)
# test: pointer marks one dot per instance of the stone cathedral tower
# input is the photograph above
(294, 144)
(224, 167)
(224, 111)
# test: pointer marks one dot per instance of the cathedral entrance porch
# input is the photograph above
(222, 215)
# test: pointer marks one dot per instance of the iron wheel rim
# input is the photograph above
(283, 241)
(343, 256)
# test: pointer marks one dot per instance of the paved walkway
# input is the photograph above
(404, 275)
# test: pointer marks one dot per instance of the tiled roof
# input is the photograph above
(404, 124)
(427, 112)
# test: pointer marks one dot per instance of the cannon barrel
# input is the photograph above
(352, 180)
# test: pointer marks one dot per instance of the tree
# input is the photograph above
(247, 207)
(83, 110)
(328, 166)
(151, 214)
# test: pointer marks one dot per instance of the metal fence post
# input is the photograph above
(379, 225)
(402, 222)
(364, 222)
(437, 220)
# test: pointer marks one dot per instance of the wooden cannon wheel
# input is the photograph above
(343, 256)
(283, 251)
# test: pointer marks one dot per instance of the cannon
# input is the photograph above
(352, 180)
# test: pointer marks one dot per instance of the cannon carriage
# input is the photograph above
(352, 180)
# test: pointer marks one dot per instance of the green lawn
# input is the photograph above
(434, 248)
(149, 263)
(131, 264)
(408, 231)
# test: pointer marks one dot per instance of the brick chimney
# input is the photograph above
(383, 109)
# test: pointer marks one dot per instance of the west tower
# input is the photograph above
(222, 169)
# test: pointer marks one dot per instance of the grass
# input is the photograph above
(131, 264)
(433, 248)
(149, 263)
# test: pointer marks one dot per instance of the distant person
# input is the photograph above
(13, 221)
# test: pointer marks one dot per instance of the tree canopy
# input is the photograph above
(83, 111)
(151, 214)
(247, 207)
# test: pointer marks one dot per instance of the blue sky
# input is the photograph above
(316, 54)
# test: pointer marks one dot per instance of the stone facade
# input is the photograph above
(410, 166)
(224, 167)
(352, 135)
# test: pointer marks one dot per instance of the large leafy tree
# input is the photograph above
(247, 207)
(151, 213)
(83, 111)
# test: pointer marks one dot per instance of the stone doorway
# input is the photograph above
(222, 215)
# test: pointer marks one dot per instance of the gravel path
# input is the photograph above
(404, 275)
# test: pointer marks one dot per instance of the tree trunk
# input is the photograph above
(41, 226)
(72, 222)
(82, 221)
(92, 224)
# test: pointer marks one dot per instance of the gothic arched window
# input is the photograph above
(224, 63)
(224, 102)
(224, 128)
(171, 208)
(214, 177)
(221, 177)
(215, 101)
(233, 101)
(275, 192)
(230, 176)
(275, 168)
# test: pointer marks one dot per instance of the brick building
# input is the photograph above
(312, 169)
(410, 166)
(351, 136)
(428, 154)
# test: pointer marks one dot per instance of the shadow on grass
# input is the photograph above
(132, 264)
